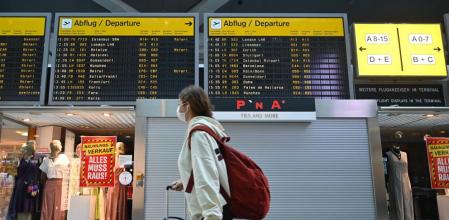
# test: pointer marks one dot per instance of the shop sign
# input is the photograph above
(438, 158)
(265, 109)
(97, 161)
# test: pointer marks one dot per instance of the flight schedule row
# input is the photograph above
(23, 55)
(122, 68)
(267, 66)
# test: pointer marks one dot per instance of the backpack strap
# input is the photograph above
(220, 142)
(209, 131)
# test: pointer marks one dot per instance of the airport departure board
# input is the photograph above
(23, 58)
(113, 59)
(276, 57)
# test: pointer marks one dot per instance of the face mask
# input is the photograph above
(181, 115)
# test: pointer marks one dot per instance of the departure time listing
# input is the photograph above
(277, 57)
(123, 58)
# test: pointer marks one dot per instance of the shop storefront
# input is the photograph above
(76, 129)
(13, 136)
(404, 130)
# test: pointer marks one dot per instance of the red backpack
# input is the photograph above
(250, 193)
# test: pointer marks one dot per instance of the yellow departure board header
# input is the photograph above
(280, 26)
(400, 50)
(22, 26)
(126, 26)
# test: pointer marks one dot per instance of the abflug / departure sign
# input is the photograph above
(22, 58)
(275, 58)
(121, 59)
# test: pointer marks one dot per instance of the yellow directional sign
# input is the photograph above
(399, 50)
(126, 26)
(285, 27)
(22, 26)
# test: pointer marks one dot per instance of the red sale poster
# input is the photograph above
(97, 161)
(438, 157)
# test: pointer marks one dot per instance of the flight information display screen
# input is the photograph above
(275, 57)
(118, 59)
(23, 58)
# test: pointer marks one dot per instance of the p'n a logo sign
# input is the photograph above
(261, 105)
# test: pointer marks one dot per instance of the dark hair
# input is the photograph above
(197, 99)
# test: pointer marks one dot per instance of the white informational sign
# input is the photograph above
(74, 182)
(377, 39)
(65, 189)
(379, 59)
(266, 116)
(420, 38)
(423, 59)
(125, 160)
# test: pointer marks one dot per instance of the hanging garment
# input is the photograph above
(400, 190)
(100, 200)
(116, 199)
(27, 180)
(51, 205)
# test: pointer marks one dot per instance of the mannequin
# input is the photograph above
(400, 190)
(116, 198)
(53, 167)
(26, 194)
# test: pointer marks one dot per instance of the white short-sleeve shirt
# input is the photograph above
(55, 169)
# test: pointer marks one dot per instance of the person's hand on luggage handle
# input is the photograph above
(177, 185)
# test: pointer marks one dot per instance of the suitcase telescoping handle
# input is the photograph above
(167, 191)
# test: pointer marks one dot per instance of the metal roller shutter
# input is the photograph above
(318, 170)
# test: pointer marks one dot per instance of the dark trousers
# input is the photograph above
(226, 213)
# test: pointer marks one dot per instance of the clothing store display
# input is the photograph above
(400, 190)
(26, 194)
(116, 199)
(54, 168)
(51, 204)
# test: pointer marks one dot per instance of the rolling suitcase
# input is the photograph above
(167, 216)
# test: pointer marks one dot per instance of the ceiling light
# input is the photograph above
(107, 114)
(429, 115)
(443, 132)
(128, 137)
(19, 132)
(25, 134)
(26, 120)
(69, 114)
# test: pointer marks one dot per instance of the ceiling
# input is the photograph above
(80, 119)
(413, 122)
(162, 5)
(357, 10)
